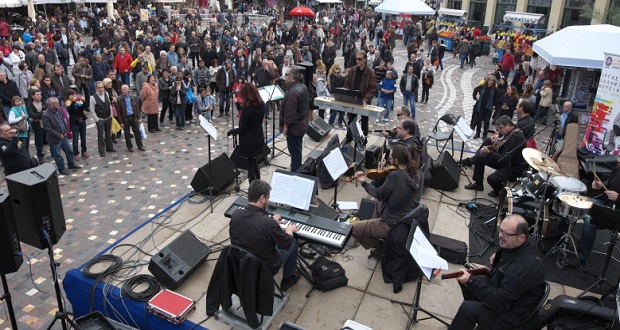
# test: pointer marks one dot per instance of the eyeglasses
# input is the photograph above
(501, 231)
(399, 114)
(359, 59)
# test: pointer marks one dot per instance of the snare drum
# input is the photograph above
(559, 185)
(571, 205)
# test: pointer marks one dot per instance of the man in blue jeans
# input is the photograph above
(294, 117)
(56, 129)
(254, 230)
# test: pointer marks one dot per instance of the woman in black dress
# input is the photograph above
(250, 129)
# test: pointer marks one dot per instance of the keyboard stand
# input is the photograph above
(303, 266)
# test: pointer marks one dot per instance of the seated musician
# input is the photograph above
(515, 286)
(254, 230)
(525, 123)
(399, 194)
(402, 112)
(605, 193)
(504, 156)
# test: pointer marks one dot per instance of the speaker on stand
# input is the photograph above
(223, 173)
(318, 129)
(10, 251)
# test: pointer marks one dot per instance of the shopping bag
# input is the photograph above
(116, 127)
(142, 131)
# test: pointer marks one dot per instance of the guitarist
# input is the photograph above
(504, 156)
(516, 284)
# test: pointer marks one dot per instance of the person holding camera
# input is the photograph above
(13, 153)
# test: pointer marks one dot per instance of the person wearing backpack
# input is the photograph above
(475, 52)
(463, 51)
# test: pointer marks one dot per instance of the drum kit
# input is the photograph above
(545, 192)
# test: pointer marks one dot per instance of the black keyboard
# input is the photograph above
(311, 227)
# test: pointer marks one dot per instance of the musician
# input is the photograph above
(402, 112)
(399, 194)
(605, 193)
(504, 156)
(516, 284)
(253, 229)
(361, 78)
(294, 117)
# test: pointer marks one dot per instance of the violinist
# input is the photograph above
(504, 155)
(399, 194)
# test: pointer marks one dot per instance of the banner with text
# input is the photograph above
(603, 132)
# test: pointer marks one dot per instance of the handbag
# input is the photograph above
(21, 126)
(142, 131)
(189, 96)
(116, 127)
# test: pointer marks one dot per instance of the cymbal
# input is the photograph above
(576, 201)
(540, 162)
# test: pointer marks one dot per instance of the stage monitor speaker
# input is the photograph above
(35, 197)
(217, 175)
(238, 161)
(373, 157)
(176, 262)
(10, 250)
(318, 129)
(366, 210)
(446, 173)
(307, 69)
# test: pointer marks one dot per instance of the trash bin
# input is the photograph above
(447, 42)
(486, 48)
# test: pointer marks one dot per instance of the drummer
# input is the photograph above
(606, 193)
(504, 152)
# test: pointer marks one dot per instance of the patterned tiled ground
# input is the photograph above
(110, 196)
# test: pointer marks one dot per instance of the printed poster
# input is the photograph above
(603, 131)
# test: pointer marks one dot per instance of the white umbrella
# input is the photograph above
(10, 3)
(593, 40)
(413, 7)
(31, 12)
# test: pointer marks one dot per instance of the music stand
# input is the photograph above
(336, 166)
(211, 133)
(429, 263)
(270, 94)
(604, 218)
(465, 133)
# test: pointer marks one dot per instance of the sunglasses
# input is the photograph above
(359, 59)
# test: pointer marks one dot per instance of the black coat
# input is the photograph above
(240, 272)
(571, 119)
(250, 131)
(397, 264)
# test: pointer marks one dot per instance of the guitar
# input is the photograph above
(477, 271)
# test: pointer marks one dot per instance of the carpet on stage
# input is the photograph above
(481, 230)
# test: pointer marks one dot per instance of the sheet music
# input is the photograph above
(463, 130)
(206, 125)
(335, 163)
(347, 205)
(291, 190)
(425, 255)
(266, 92)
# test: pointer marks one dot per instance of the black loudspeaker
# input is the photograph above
(446, 173)
(218, 174)
(174, 263)
(373, 156)
(35, 197)
(318, 129)
(366, 210)
(347, 153)
(307, 69)
(238, 161)
(10, 250)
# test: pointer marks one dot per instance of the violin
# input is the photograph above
(376, 174)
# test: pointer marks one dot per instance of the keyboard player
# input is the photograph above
(253, 229)
(399, 194)
(360, 77)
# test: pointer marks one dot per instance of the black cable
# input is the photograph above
(132, 246)
(115, 260)
(153, 287)
(199, 323)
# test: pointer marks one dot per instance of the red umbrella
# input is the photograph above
(301, 11)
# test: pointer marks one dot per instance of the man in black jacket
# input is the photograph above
(254, 230)
(504, 155)
(516, 284)
(13, 153)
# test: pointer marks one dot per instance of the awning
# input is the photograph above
(328, 1)
(452, 12)
(521, 17)
(374, 2)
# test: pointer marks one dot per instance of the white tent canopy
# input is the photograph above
(328, 1)
(413, 7)
(66, 2)
(452, 12)
(580, 46)
(10, 3)
(521, 17)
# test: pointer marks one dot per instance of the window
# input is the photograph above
(502, 7)
(455, 4)
(477, 11)
(572, 11)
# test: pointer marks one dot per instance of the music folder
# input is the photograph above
(463, 130)
(424, 254)
(292, 189)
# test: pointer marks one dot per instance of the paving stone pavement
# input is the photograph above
(110, 196)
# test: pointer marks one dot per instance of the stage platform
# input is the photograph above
(366, 298)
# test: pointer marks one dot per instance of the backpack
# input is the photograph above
(327, 275)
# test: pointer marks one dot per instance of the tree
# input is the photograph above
(610, 16)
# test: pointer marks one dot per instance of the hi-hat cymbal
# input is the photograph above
(540, 161)
(576, 201)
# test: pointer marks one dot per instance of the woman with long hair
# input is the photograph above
(250, 131)
(486, 97)
(508, 103)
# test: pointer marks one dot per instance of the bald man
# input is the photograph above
(516, 284)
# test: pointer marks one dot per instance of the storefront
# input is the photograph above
(572, 11)
(502, 7)
(477, 11)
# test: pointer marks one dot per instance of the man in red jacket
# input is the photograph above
(507, 63)
(122, 65)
